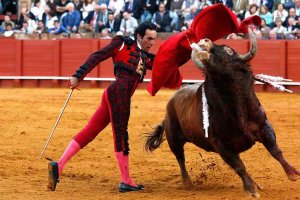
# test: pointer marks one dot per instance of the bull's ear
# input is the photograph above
(253, 47)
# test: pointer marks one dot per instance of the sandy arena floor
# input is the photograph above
(28, 116)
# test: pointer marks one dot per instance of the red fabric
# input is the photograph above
(214, 22)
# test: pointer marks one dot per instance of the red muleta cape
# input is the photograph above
(214, 23)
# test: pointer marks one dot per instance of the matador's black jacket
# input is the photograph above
(130, 65)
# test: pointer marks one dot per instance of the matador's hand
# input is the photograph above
(73, 82)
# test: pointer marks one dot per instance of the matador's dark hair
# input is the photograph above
(141, 29)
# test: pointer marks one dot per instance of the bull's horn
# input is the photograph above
(253, 47)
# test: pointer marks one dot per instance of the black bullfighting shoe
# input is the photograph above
(53, 175)
(123, 187)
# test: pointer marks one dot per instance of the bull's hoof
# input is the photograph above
(294, 175)
(258, 186)
(187, 183)
(251, 190)
(255, 195)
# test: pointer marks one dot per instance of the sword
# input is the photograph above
(51, 134)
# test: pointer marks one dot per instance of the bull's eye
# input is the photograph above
(228, 50)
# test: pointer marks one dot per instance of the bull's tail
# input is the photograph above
(155, 138)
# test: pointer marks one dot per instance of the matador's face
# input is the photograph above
(147, 41)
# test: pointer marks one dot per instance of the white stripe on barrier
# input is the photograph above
(111, 79)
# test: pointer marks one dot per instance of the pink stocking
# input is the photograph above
(123, 162)
(71, 150)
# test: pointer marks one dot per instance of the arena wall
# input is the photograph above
(48, 63)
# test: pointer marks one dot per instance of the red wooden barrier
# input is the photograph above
(60, 58)
(10, 57)
(270, 58)
(293, 60)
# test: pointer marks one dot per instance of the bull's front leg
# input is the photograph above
(267, 137)
(237, 164)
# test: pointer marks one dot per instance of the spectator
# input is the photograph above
(297, 23)
(275, 4)
(253, 10)
(1, 30)
(102, 18)
(78, 4)
(95, 21)
(257, 2)
(291, 29)
(99, 2)
(8, 27)
(128, 24)
(9, 33)
(116, 6)
(41, 28)
(31, 22)
(37, 10)
(51, 17)
(280, 30)
(267, 3)
(297, 7)
(61, 7)
(9, 7)
(1, 11)
(58, 28)
(265, 30)
(189, 18)
(175, 6)
(287, 4)
(88, 6)
(105, 34)
(187, 5)
(292, 13)
(280, 12)
(204, 3)
(71, 19)
(227, 3)
(240, 7)
(164, 19)
(150, 7)
(88, 24)
(45, 14)
(23, 13)
(135, 7)
(52, 5)
(26, 29)
(297, 36)
(272, 35)
(112, 24)
(7, 21)
(258, 34)
(265, 14)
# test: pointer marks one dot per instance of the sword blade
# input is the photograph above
(57, 121)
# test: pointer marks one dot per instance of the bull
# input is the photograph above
(236, 118)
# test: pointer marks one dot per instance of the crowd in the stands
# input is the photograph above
(280, 18)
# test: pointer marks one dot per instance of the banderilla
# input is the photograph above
(62, 111)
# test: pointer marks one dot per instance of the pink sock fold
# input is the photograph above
(123, 161)
(70, 151)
